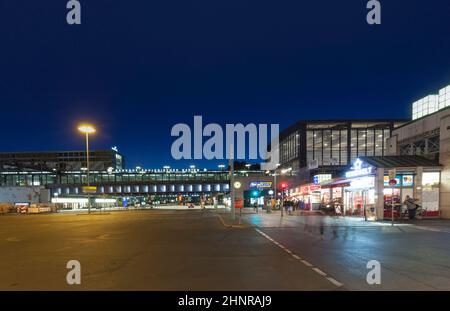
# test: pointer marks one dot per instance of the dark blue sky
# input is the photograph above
(136, 68)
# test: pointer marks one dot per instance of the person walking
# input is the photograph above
(411, 206)
(255, 206)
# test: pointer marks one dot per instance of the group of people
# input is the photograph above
(290, 205)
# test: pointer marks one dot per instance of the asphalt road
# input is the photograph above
(146, 250)
(413, 256)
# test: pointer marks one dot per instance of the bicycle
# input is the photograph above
(419, 212)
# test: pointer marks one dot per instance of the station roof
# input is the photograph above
(399, 161)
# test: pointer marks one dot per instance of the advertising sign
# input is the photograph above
(358, 169)
(408, 180)
(89, 189)
(261, 184)
(386, 178)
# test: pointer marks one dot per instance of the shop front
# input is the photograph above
(380, 185)
(359, 197)
(309, 196)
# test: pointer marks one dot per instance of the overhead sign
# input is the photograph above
(261, 184)
(89, 189)
(392, 173)
(320, 178)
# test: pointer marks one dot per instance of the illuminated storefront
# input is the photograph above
(370, 195)
(310, 195)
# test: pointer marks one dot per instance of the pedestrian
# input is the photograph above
(411, 206)
(290, 207)
(255, 206)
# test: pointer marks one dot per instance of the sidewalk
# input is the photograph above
(274, 219)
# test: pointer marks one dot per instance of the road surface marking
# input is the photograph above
(319, 271)
(307, 263)
(12, 239)
(338, 284)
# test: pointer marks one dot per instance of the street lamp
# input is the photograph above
(87, 129)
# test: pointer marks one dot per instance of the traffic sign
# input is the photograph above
(392, 182)
(89, 189)
(392, 173)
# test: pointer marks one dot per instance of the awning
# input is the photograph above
(337, 183)
(400, 161)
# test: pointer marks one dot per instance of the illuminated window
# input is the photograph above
(430, 179)
(444, 97)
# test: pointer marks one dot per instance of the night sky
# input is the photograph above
(136, 68)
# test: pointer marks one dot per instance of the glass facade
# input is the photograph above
(336, 144)
(425, 106)
(19, 178)
(289, 147)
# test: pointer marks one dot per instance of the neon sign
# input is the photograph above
(358, 170)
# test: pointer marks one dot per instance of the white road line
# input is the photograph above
(319, 271)
(307, 263)
(338, 284)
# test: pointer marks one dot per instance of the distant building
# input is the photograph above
(99, 160)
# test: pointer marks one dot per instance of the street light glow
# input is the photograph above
(86, 128)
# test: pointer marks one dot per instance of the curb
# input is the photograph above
(241, 226)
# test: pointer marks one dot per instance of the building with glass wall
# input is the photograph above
(328, 147)
(62, 160)
(132, 186)
(431, 103)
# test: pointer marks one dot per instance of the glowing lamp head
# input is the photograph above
(86, 128)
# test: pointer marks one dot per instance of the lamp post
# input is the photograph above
(87, 129)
